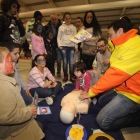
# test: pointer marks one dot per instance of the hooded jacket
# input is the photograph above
(124, 72)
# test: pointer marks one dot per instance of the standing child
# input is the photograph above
(50, 48)
(37, 41)
(67, 47)
(83, 76)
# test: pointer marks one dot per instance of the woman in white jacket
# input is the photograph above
(67, 47)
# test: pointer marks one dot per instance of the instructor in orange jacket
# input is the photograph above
(121, 106)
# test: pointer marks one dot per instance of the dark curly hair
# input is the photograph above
(96, 27)
(80, 66)
(10, 45)
(6, 5)
(121, 23)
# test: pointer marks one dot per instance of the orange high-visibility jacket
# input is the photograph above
(124, 72)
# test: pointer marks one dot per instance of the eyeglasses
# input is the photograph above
(101, 46)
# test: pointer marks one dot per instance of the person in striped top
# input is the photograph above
(42, 81)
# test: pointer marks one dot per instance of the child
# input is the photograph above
(37, 80)
(83, 76)
(50, 48)
(15, 51)
(67, 47)
(37, 41)
(16, 120)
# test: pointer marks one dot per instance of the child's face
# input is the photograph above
(78, 73)
(7, 66)
(39, 29)
(15, 54)
(50, 36)
(41, 62)
(67, 19)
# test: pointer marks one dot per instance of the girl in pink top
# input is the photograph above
(42, 81)
(37, 41)
(83, 76)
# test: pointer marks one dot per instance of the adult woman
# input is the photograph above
(37, 80)
(89, 45)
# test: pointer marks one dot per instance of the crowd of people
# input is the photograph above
(117, 68)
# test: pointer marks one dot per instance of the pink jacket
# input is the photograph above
(38, 45)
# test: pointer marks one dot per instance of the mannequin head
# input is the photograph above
(71, 106)
(67, 113)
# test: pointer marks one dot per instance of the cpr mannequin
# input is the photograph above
(71, 105)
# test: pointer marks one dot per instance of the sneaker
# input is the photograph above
(49, 100)
(65, 79)
(59, 75)
(72, 80)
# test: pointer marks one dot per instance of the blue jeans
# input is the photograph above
(27, 99)
(68, 56)
(118, 112)
(58, 61)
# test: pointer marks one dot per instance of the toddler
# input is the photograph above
(83, 76)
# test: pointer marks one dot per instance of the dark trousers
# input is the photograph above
(50, 66)
(88, 60)
(45, 92)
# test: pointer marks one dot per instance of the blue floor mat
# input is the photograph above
(54, 129)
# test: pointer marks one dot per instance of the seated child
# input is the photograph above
(83, 76)
(50, 48)
(16, 121)
(37, 80)
(15, 51)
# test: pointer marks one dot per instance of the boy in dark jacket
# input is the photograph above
(51, 53)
